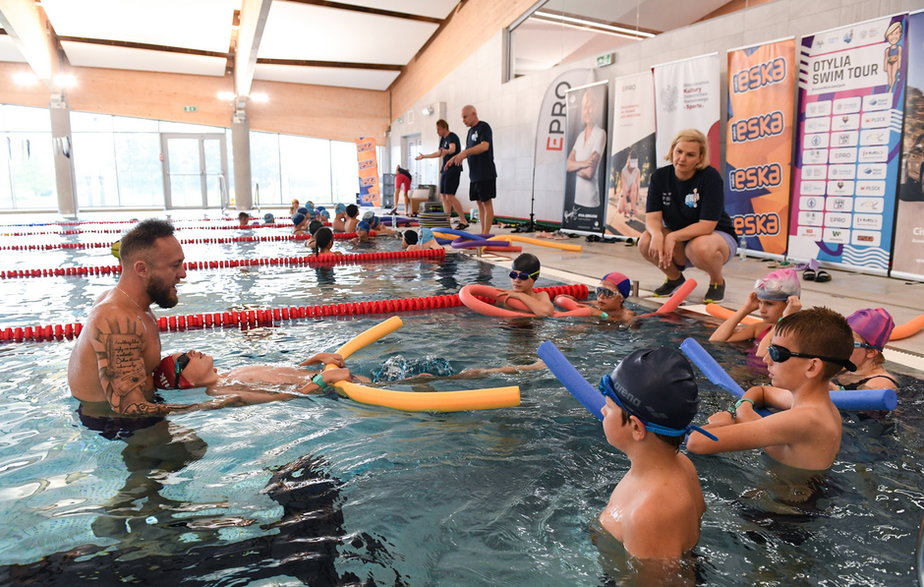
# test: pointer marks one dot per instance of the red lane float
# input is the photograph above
(268, 317)
(325, 259)
(482, 299)
(120, 230)
(192, 241)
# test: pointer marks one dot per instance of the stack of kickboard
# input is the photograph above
(432, 216)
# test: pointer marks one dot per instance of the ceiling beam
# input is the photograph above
(249, 35)
(368, 10)
(27, 24)
(144, 46)
(338, 64)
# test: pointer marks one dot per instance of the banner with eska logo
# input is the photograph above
(758, 146)
(633, 155)
(551, 150)
(851, 99)
(368, 172)
(908, 251)
(687, 96)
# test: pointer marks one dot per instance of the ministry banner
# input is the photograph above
(687, 96)
(851, 100)
(633, 154)
(758, 145)
(908, 250)
(550, 149)
(585, 180)
(369, 194)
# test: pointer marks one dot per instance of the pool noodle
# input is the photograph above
(573, 381)
(844, 399)
(675, 300)
(445, 401)
(724, 313)
(537, 242)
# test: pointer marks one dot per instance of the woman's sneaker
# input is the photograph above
(715, 293)
(669, 285)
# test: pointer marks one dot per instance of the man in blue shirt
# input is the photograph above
(479, 150)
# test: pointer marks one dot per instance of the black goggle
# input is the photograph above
(523, 276)
(781, 354)
(181, 363)
(862, 345)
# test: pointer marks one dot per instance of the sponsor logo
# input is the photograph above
(845, 122)
(815, 156)
(871, 188)
(843, 155)
(840, 188)
(875, 205)
(820, 108)
(847, 105)
(808, 231)
(842, 171)
(810, 218)
(811, 203)
(750, 178)
(838, 204)
(873, 154)
(836, 235)
(815, 188)
(760, 75)
(838, 220)
(868, 221)
(866, 238)
(758, 127)
(757, 224)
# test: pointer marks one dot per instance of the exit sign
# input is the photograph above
(604, 60)
(193, 108)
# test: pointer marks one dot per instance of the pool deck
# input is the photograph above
(846, 292)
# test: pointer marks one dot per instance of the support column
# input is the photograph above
(65, 180)
(240, 153)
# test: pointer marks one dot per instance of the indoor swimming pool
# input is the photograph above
(322, 490)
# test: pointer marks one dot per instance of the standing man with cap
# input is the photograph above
(656, 508)
(479, 150)
(449, 174)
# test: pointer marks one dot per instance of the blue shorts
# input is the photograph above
(729, 240)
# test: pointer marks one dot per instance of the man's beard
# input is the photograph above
(160, 294)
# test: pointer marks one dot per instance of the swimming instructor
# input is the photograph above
(119, 347)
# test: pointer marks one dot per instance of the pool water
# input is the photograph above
(322, 490)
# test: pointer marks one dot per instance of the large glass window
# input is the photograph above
(305, 166)
(139, 169)
(95, 170)
(264, 167)
(344, 171)
(27, 177)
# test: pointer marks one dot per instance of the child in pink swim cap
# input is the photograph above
(774, 296)
(872, 328)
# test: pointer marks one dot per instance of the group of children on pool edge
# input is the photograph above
(651, 399)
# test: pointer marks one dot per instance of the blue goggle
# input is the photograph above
(523, 276)
(180, 364)
(609, 390)
(862, 345)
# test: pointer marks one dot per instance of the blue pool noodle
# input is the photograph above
(847, 399)
(573, 381)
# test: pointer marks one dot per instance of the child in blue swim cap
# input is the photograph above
(656, 508)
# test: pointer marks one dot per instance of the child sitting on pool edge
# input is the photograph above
(612, 291)
(656, 508)
(774, 296)
(425, 241)
(523, 276)
(807, 349)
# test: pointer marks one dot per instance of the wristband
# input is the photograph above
(319, 381)
(742, 400)
(604, 315)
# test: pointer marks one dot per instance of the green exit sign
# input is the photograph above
(193, 108)
(604, 60)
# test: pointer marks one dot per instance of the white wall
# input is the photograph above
(512, 108)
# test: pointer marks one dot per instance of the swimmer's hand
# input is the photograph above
(224, 401)
(722, 418)
(324, 358)
(793, 305)
(329, 377)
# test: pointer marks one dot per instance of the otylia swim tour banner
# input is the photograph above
(758, 147)
(368, 172)
(851, 88)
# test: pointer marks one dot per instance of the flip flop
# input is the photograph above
(822, 276)
(809, 275)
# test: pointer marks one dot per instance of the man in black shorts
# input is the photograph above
(449, 174)
(479, 150)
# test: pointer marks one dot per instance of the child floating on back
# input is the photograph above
(774, 296)
(656, 508)
(806, 350)
(523, 277)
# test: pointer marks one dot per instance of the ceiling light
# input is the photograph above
(428, 111)
(259, 97)
(226, 96)
(25, 78)
(594, 25)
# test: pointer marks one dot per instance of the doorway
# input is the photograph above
(195, 170)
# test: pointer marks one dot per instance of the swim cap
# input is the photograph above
(298, 218)
(320, 209)
(874, 325)
(778, 285)
(339, 208)
(269, 219)
(314, 225)
(309, 204)
(658, 386)
(527, 262)
(311, 213)
(324, 215)
(368, 216)
(117, 249)
(623, 286)
(302, 210)
(363, 225)
(426, 234)
(165, 373)
(410, 237)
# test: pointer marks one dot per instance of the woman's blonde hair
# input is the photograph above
(691, 135)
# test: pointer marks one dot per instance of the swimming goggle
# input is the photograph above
(181, 363)
(862, 345)
(603, 293)
(608, 389)
(781, 354)
(523, 276)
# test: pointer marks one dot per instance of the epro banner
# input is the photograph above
(687, 96)
(368, 172)
(851, 100)
(758, 146)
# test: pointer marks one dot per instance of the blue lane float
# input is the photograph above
(846, 399)
(573, 381)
